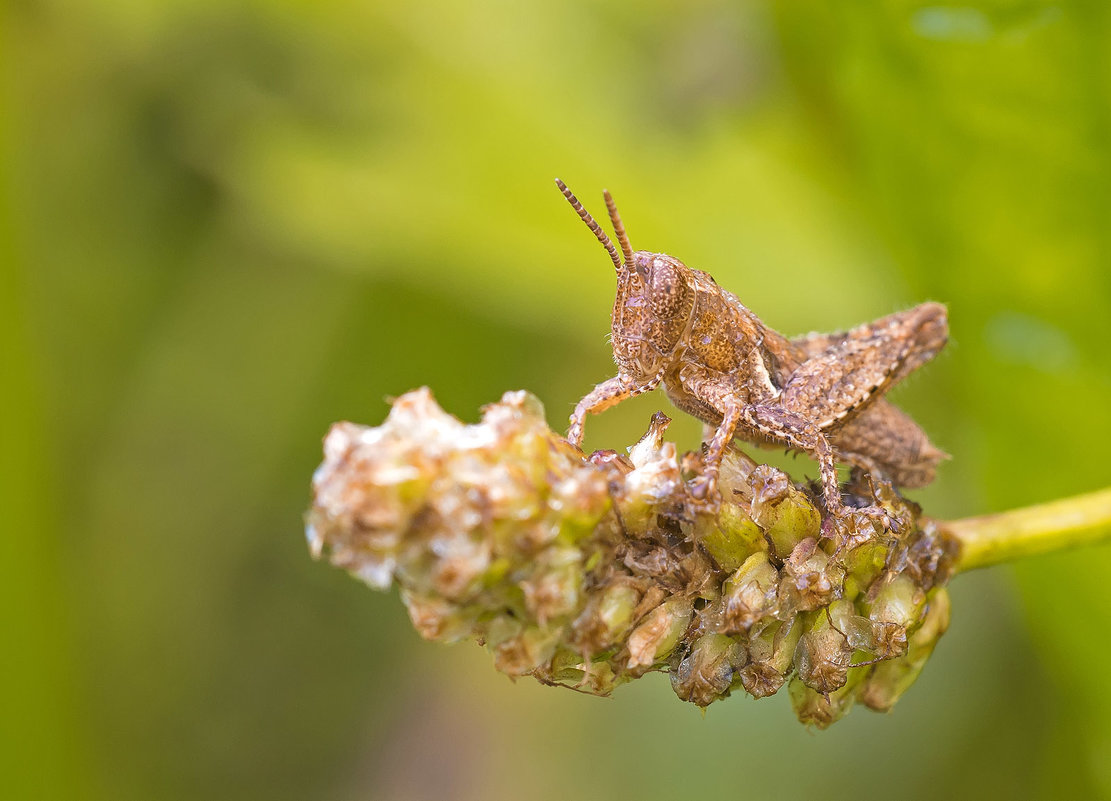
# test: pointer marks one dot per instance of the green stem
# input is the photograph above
(1069, 523)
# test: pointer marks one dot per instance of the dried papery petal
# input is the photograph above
(590, 572)
(734, 481)
(654, 639)
(654, 485)
(930, 557)
(889, 640)
(809, 579)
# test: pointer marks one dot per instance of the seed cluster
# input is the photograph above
(591, 571)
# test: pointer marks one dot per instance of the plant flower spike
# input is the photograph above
(591, 571)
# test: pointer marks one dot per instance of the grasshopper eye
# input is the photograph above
(670, 293)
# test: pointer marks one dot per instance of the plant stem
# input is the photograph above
(993, 539)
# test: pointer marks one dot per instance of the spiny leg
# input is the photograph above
(777, 423)
(780, 425)
(766, 421)
(603, 396)
(705, 485)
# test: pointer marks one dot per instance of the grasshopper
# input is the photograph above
(821, 394)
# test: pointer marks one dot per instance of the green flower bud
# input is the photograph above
(730, 537)
(895, 611)
(814, 708)
(898, 601)
(705, 674)
(553, 588)
(607, 617)
(749, 595)
(770, 655)
(782, 510)
(578, 503)
(859, 631)
(889, 680)
(600, 678)
(526, 651)
(438, 619)
(569, 669)
(863, 565)
(823, 654)
(451, 564)
(616, 608)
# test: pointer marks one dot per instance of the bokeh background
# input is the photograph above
(228, 224)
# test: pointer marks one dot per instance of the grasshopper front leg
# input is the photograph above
(603, 396)
(721, 395)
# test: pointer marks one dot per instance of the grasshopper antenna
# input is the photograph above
(618, 227)
(591, 224)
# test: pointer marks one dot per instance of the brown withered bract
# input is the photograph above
(821, 394)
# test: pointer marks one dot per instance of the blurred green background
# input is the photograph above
(228, 224)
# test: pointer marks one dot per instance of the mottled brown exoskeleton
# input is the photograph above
(821, 394)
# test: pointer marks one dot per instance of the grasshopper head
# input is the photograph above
(654, 298)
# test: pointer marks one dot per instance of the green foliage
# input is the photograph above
(230, 224)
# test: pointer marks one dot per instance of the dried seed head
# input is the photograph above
(588, 573)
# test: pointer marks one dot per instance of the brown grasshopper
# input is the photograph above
(821, 394)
